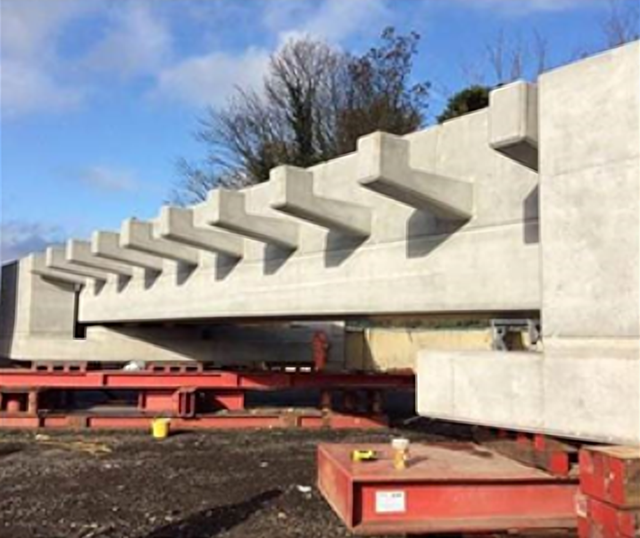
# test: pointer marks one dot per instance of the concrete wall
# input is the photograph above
(586, 384)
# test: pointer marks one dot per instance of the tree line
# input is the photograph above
(316, 101)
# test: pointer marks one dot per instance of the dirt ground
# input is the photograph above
(191, 485)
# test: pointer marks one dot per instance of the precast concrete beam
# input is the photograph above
(227, 210)
(513, 122)
(38, 267)
(138, 235)
(55, 259)
(79, 253)
(384, 167)
(176, 224)
(294, 195)
(107, 245)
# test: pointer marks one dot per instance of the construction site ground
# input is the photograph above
(225, 483)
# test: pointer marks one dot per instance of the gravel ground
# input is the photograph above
(191, 485)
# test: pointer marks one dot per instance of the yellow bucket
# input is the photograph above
(160, 428)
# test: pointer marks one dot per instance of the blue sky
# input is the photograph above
(99, 98)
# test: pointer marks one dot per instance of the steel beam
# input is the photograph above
(457, 488)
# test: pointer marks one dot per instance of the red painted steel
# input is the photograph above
(320, 346)
(230, 400)
(22, 378)
(611, 474)
(445, 488)
(223, 420)
(43, 397)
(597, 519)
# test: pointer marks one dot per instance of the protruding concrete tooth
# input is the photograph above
(383, 166)
(55, 259)
(79, 253)
(138, 235)
(227, 210)
(513, 122)
(177, 224)
(38, 267)
(294, 195)
(107, 245)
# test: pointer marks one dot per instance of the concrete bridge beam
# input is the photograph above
(107, 245)
(79, 253)
(55, 259)
(38, 265)
(138, 235)
(383, 166)
(228, 211)
(295, 196)
(176, 224)
(513, 122)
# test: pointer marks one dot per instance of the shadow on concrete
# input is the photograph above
(339, 248)
(150, 278)
(214, 521)
(8, 298)
(122, 281)
(98, 286)
(530, 215)
(224, 265)
(274, 258)
(184, 272)
(425, 232)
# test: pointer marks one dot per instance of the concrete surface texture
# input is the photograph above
(586, 383)
(532, 204)
(402, 225)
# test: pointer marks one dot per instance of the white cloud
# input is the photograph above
(210, 79)
(526, 6)
(28, 55)
(29, 27)
(136, 42)
(27, 88)
(332, 20)
(105, 178)
(19, 238)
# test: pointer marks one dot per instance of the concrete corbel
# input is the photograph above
(138, 235)
(107, 245)
(294, 195)
(177, 224)
(55, 259)
(227, 209)
(37, 264)
(79, 253)
(513, 122)
(383, 166)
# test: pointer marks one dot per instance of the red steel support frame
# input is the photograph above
(609, 504)
(189, 395)
(461, 488)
